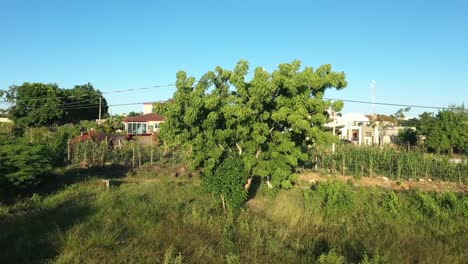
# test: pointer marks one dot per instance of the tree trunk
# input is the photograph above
(270, 186)
(223, 202)
(249, 182)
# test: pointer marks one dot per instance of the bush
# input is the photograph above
(23, 164)
(335, 195)
(228, 182)
(331, 258)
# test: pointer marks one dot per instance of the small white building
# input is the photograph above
(356, 128)
(5, 120)
(143, 124)
(148, 107)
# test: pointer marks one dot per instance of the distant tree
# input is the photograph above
(386, 118)
(132, 114)
(80, 95)
(412, 122)
(408, 136)
(447, 131)
(400, 114)
(267, 122)
(38, 104)
(35, 104)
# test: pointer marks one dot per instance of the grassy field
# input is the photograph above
(171, 220)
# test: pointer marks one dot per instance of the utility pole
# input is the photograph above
(110, 110)
(334, 123)
(100, 106)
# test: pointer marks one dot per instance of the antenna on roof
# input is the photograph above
(373, 87)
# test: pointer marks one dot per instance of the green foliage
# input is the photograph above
(374, 260)
(336, 196)
(408, 136)
(154, 221)
(447, 131)
(38, 104)
(171, 258)
(390, 162)
(391, 203)
(82, 94)
(331, 258)
(228, 181)
(438, 206)
(267, 121)
(23, 164)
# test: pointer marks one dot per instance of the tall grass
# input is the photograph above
(393, 163)
(174, 221)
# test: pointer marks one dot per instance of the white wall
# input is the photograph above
(147, 108)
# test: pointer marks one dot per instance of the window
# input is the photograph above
(368, 134)
(136, 128)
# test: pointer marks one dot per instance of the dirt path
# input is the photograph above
(401, 185)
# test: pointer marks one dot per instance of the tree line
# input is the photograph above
(40, 104)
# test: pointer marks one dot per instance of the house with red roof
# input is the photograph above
(143, 124)
(147, 123)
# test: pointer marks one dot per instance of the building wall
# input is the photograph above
(147, 108)
(155, 125)
(5, 120)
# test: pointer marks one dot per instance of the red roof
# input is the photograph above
(145, 118)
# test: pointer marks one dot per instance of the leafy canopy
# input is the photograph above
(267, 121)
(23, 164)
(39, 104)
(447, 131)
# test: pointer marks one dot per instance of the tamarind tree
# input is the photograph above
(267, 121)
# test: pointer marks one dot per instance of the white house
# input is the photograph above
(356, 128)
(143, 124)
(147, 123)
(5, 120)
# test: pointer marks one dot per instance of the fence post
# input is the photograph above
(68, 151)
(139, 155)
(133, 156)
(151, 155)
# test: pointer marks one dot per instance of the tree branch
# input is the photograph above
(240, 149)
(258, 153)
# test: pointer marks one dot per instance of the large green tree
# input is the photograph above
(35, 104)
(268, 121)
(446, 131)
(39, 104)
(85, 95)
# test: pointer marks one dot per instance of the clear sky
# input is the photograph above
(417, 51)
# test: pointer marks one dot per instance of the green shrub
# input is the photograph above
(390, 202)
(428, 206)
(335, 195)
(331, 258)
(228, 182)
(376, 259)
(23, 164)
(171, 258)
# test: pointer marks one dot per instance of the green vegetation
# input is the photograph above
(266, 122)
(169, 220)
(241, 139)
(394, 163)
(39, 104)
(447, 131)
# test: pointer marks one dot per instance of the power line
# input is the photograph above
(78, 103)
(138, 89)
(108, 92)
(389, 104)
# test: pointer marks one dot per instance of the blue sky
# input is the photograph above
(417, 51)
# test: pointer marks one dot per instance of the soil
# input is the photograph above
(397, 185)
